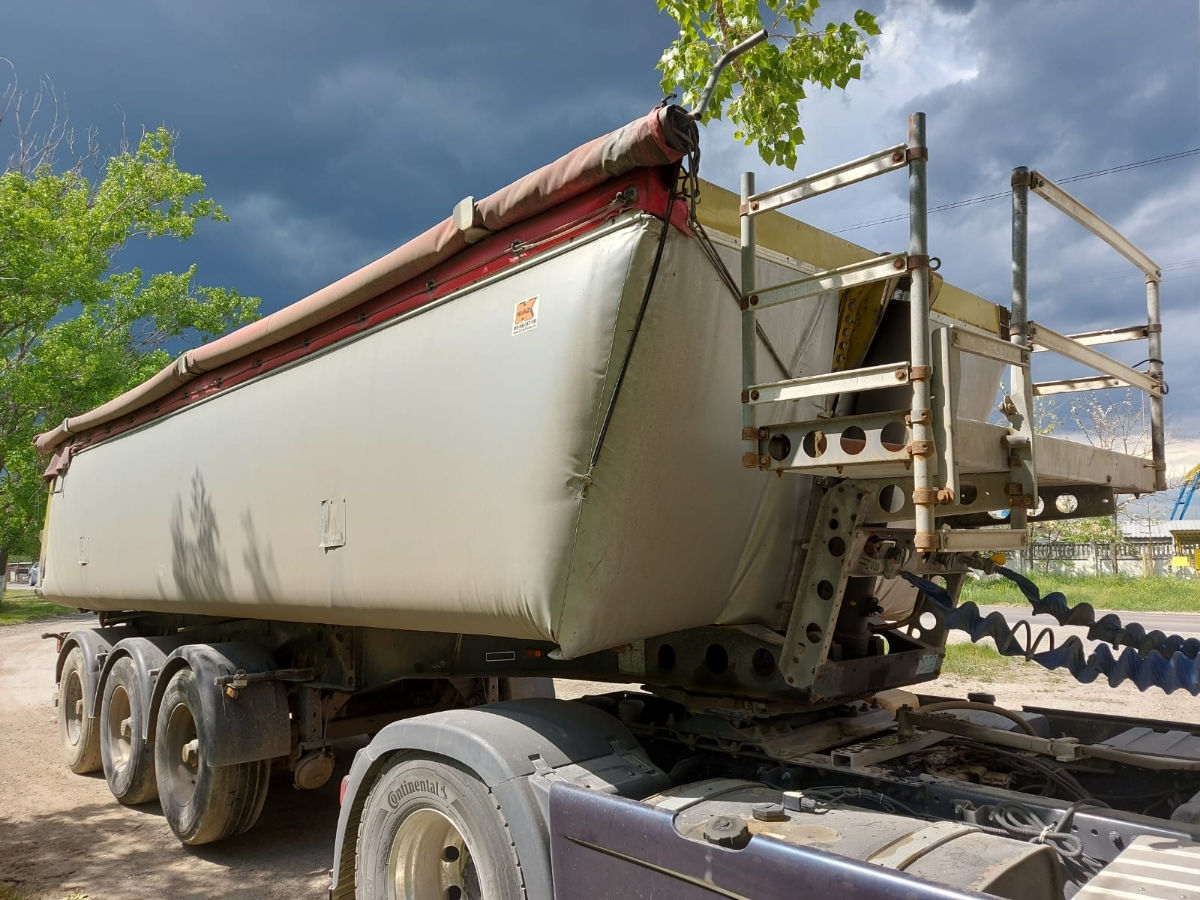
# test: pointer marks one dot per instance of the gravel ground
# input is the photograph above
(63, 836)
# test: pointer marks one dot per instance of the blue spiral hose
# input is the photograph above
(1150, 659)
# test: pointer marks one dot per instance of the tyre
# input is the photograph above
(432, 829)
(77, 730)
(128, 759)
(202, 803)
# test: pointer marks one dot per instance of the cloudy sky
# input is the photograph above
(333, 132)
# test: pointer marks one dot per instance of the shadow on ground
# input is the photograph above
(103, 849)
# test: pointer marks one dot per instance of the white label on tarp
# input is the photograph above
(525, 315)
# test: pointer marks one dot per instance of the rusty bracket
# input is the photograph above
(918, 261)
(915, 153)
(926, 542)
(754, 461)
(945, 496)
(1156, 328)
(924, 496)
(744, 303)
(1021, 178)
(920, 448)
(922, 417)
(919, 373)
(747, 396)
(750, 433)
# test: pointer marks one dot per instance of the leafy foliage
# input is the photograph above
(75, 330)
(773, 75)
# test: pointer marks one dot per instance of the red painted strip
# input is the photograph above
(492, 255)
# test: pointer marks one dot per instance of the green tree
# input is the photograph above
(774, 76)
(75, 328)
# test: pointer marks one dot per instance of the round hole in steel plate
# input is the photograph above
(815, 444)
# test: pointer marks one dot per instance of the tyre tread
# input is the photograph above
(85, 759)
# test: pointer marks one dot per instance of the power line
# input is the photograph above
(984, 198)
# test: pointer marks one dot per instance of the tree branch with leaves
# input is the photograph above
(76, 328)
(774, 76)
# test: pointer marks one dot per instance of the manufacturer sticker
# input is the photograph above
(525, 316)
(928, 663)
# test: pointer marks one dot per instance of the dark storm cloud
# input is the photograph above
(332, 133)
(1071, 88)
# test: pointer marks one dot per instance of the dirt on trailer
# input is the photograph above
(64, 836)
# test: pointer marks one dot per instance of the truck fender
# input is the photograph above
(518, 748)
(95, 643)
(148, 655)
(243, 725)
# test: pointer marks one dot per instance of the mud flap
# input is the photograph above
(241, 725)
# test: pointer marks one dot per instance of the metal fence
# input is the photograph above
(1151, 557)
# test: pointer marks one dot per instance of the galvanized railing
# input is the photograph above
(915, 371)
(1078, 347)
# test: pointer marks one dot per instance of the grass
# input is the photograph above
(19, 606)
(1136, 594)
(979, 662)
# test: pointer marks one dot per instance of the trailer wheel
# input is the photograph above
(202, 803)
(77, 730)
(128, 759)
(432, 829)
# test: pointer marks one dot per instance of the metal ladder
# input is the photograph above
(917, 444)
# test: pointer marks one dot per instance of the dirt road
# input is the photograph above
(62, 835)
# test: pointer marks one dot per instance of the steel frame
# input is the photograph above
(1077, 347)
(911, 155)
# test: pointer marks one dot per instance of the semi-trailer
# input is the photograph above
(614, 423)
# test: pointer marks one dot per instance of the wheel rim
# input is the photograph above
(429, 858)
(72, 706)
(182, 752)
(119, 729)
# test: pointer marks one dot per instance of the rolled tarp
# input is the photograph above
(662, 137)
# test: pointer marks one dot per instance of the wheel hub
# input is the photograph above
(119, 728)
(429, 858)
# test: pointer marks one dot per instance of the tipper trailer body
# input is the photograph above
(512, 450)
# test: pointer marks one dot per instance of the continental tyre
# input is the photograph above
(432, 829)
(77, 730)
(202, 803)
(128, 759)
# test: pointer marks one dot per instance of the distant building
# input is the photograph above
(17, 572)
